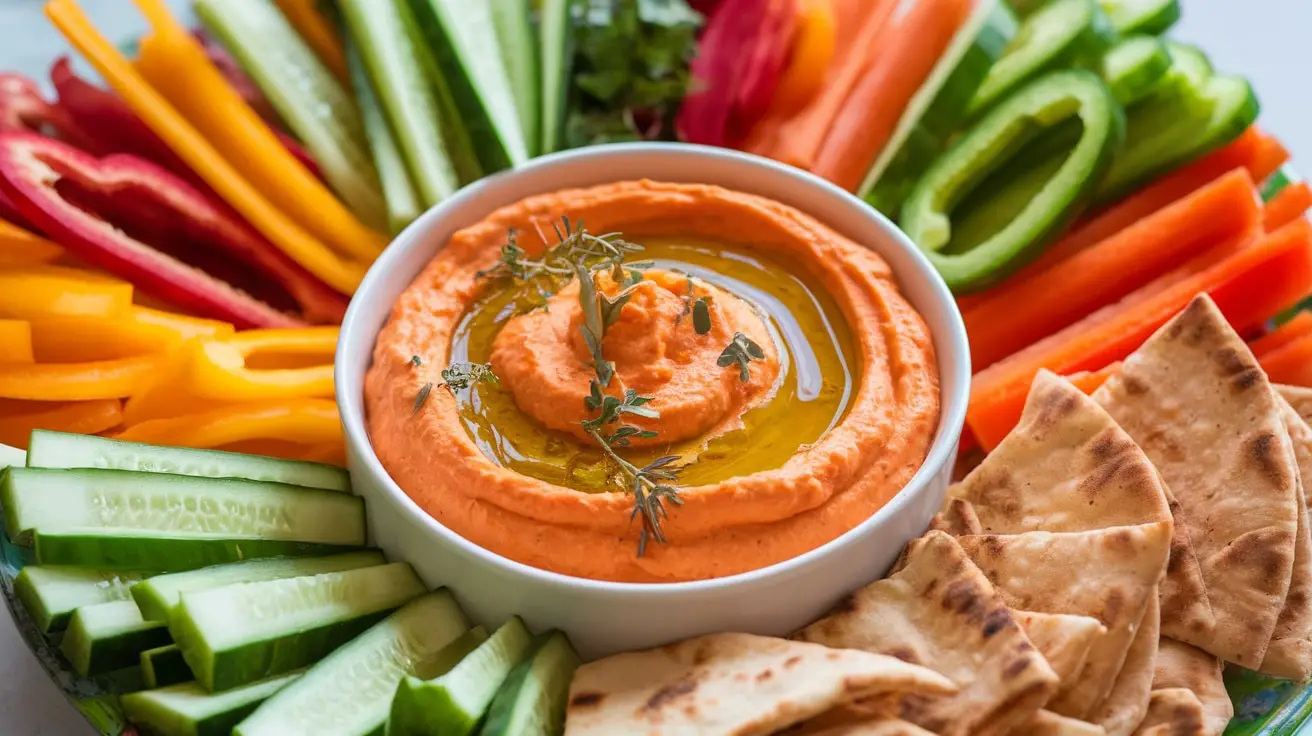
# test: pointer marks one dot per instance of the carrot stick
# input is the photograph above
(19, 418)
(1291, 363)
(1296, 328)
(1249, 286)
(1090, 381)
(1291, 203)
(906, 51)
(1024, 310)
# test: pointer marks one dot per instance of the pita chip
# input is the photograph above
(1108, 574)
(1063, 639)
(880, 727)
(1199, 405)
(1300, 398)
(1068, 467)
(1127, 703)
(957, 518)
(1173, 712)
(938, 610)
(738, 684)
(1179, 665)
(1047, 723)
(1289, 655)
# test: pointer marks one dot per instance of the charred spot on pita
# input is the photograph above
(586, 700)
(999, 619)
(664, 696)
(1261, 450)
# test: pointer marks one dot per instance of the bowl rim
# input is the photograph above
(363, 459)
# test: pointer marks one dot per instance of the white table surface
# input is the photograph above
(1263, 39)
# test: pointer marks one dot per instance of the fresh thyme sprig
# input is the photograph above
(463, 375)
(741, 350)
(575, 246)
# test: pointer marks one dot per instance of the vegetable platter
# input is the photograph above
(179, 239)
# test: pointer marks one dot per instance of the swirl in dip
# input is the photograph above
(775, 383)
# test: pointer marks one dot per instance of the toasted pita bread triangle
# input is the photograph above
(1289, 654)
(1047, 723)
(1174, 712)
(1194, 398)
(731, 683)
(940, 611)
(1300, 398)
(1108, 574)
(1063, 639)
(1179, 665)
(1127, 703)
(957, 518)
(1068, 467)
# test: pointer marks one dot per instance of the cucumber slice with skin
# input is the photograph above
(939, 106)
(461, 36)
(532, 700)
(1134, 68)
(350, 691)
(512, 21)
(1023, 8)
(110, 636)
(454, 703)
(62, 450)
(398, 191)
(1061, 34)
(164, 666)
(51, 593)
(378, 32)
(188, 710)
(315, 106)
(241, 633)
(970, 259)
(1152, 17)
(105, 503)
(117, 550)
(157, 596)
(12, 456)
(555, 41)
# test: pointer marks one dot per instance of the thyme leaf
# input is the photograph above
(701, 316)
(741, 350)
(421, 398)
(463, 375)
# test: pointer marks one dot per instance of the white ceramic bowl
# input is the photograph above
(605, 617)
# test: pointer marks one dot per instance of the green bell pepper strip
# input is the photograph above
(1044, 199)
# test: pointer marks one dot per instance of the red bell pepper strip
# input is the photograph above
(200, 255)
(23, 108)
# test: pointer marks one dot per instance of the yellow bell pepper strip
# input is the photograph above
(103, 379)
(342, 274)
(43, 291)
(15, 341)
(18, 247)
(86, 339)
(176, 66)
(179, 324)
(19, 418)
(318, 34)
(219, 369)
(332, 453)
(813, 50)
(303, 421)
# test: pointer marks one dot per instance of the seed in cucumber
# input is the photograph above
(454, 703)
(108, 518)
(1134, 68)
(63, 450)
(938, 108)
(512, 21)
(164, 666)
(350, 691)
(1151, 17)
(188, 710)
(555, 41)
(240, 633)
(110, 636)
(12, 456)
(1061, 34)
(51, 593)
(157, 596)
(532, 700)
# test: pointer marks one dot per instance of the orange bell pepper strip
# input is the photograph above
(19, 247)
(15, 341)
(192, 147)
(813, 50)
(1298, 327)
(19, 418)
(1291, 363)
(177, 67)
(179, 324)
(303, 421)
(103, 379)
(332, 453)
(43, 291)
(318, 34)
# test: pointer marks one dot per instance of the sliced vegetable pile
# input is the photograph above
(259, 611)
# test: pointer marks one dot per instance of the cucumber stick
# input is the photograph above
(455, 702)
(939, 106)
(240, 633)
(555, 41)
(164, 666)
(532, 700)
(110, 636)
(188, 710)
(319, 111)
(112, 515)
(379, 33)
(157, 596)
(63, 450)
(398, 191)
(462, 36)
(51, 593)
(12, 456)
(1135, 67)
(1153, 17)
(350, 691)
(512, 21)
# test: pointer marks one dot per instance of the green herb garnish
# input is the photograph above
(701, 316)
(459, 376)
(741, 350)
(421, 398)
(416, 361)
